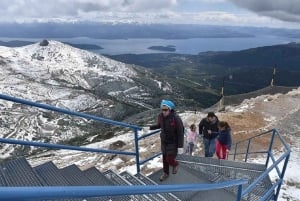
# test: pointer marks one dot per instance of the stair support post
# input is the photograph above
(270, 147)
(137, 155)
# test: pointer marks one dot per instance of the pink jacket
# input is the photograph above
(191, 137)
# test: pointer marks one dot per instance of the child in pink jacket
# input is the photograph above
(191, 139)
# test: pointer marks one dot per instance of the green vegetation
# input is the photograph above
(200, 77)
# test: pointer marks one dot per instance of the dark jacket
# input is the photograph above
(171, 132)
(225, 138)
(205, 125)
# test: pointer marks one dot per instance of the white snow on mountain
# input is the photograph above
(66, 77)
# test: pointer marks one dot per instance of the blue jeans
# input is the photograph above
(209, 147)
(190, 148)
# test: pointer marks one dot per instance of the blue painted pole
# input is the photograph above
(281, 176)
(270, 147)
(59, 146)
(239, 193)
(137, 153)
(248, 147)
(65, 111)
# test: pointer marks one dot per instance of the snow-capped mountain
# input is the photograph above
(66, 77)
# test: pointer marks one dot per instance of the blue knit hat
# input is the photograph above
(167, 103)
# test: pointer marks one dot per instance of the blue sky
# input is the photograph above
(270, 13)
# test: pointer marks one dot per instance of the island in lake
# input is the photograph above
(168, 48)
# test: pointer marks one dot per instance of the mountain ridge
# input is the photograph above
(74, 79)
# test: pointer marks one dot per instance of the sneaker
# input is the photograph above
(175, 169)
(163, 177)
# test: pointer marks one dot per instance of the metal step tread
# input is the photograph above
(186, 175)
(119, 180)
(18, 172)
(51, 174)
(215, 173)
(148, 181)
(75, 176)
(97, 178)
(136, 181)
(217, 162)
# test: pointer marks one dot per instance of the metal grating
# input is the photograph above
(2, 180)
(19, 173)
(119, 180)
(98, 178)
(135, 181)
(75, 176)
(224, 170)
(51, 174)
(148, 181)
(186, 175)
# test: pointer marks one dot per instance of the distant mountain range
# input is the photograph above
(129, 30)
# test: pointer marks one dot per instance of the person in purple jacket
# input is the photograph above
(223, 144)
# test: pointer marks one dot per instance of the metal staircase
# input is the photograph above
(197, 178)
(192, 169)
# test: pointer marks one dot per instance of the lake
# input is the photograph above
(183, 46)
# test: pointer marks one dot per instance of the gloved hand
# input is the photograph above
(180, 150)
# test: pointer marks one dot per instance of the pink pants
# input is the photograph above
(167, 161)
(221, 150)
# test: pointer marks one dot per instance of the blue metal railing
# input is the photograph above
(31, 191)
(284, 157)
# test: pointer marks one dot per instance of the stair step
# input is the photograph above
(99, 179)
(186, 175)
(75, 176)
(136, 181)
(18, 172)
(119, 180)
(148, 181)
(217, 162)
(223, 170)
(2, 179)
(51, 175)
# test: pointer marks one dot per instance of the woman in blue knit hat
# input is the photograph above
(171, 136)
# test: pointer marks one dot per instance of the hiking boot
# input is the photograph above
(175, 169)
(163, 177)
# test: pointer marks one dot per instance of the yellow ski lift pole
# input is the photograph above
(273, 77)
(195, 116)
(222, 95)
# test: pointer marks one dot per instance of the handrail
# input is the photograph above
(59, 146)
(284, 157)
(65, 111)
(52, 192)
(258, 135)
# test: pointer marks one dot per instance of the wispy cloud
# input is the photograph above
(275, 13)
(285, 10)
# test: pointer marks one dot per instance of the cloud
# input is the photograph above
(54, 8)
(285, 10)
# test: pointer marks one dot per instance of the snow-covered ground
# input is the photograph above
(264, 112)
